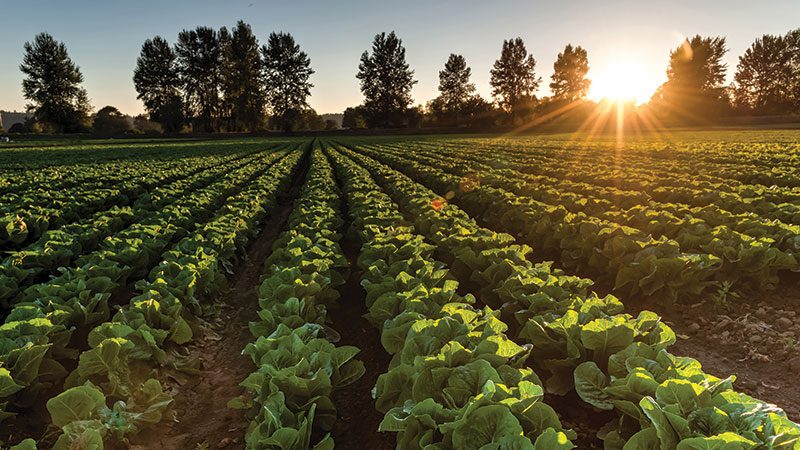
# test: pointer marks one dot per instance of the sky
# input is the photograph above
(628, 41)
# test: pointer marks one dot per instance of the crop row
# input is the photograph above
(729, 167)
(45, 329)
(117, 375)
(455, 381)
(60, 247)
(756, 255)
(297, 364)
(581, 341)
(633, 261)
(26, 215)
(609, 188)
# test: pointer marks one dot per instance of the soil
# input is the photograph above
(202, 415)
(357, 422)
(754, 338)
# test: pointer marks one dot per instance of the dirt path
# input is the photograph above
(203, 417)
(357, 421)
(756, 340)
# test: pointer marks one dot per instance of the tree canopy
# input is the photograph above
(767, 79)
(287, 70)
(694, 90)
(242, 86)
(157, 84)
(569, 74)
(199, 60)
(386, 81)
(513, 78)
(52, 84)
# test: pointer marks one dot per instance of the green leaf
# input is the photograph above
(27, 444)
(485, 425)
(7, 385)
(646, 439)
(590, 383)
(75, 404)
(551, 439)
(724, 441)
(606, 336)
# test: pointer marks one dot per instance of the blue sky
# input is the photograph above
(104, 36)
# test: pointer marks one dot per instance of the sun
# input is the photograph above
(622, 81)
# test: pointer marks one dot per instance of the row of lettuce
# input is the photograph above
(688, 256)
(115, 388)
(29, 212)
(297, 364)
(667, 173)
(582, 342)
(605, 187)
(455, 379)
(62, 246)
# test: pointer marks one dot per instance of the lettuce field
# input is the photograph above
(410, 292)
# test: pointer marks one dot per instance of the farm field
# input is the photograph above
(447, 292)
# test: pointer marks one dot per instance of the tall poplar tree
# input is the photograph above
(157, 84)
(386, 82)
(287, 70)
(513, 78)
(242, 83)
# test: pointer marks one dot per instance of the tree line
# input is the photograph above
(225, 80)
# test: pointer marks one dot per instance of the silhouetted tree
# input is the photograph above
(287, 70)
(109, 120)
(157, 84)
(53, 85)
(386, 82)
(514, 80)
(354, 118)
(569, 74)
(242, 86)
(199, 59)
(454, 86)
(767, 76)
(694, 90)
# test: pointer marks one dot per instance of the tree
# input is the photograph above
(513, 78)
(569, 74)
(694, 90)
(354, 118)
(767, 76)
(331, 125)
(386, 82)
(454, 85)
(287, 70)
(199, 60)
(109, 120)
(241, 79)
(53, 85)
(157, 84)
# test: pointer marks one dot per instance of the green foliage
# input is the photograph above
(110, 121)
(242, 88)
(513, 78)
(767, 76)
(158, 85)
(569, 74)
(386, 81)
(287, 70)
(199, 66)
(694, 91)
(52, 85)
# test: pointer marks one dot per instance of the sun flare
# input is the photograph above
(623, 81)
